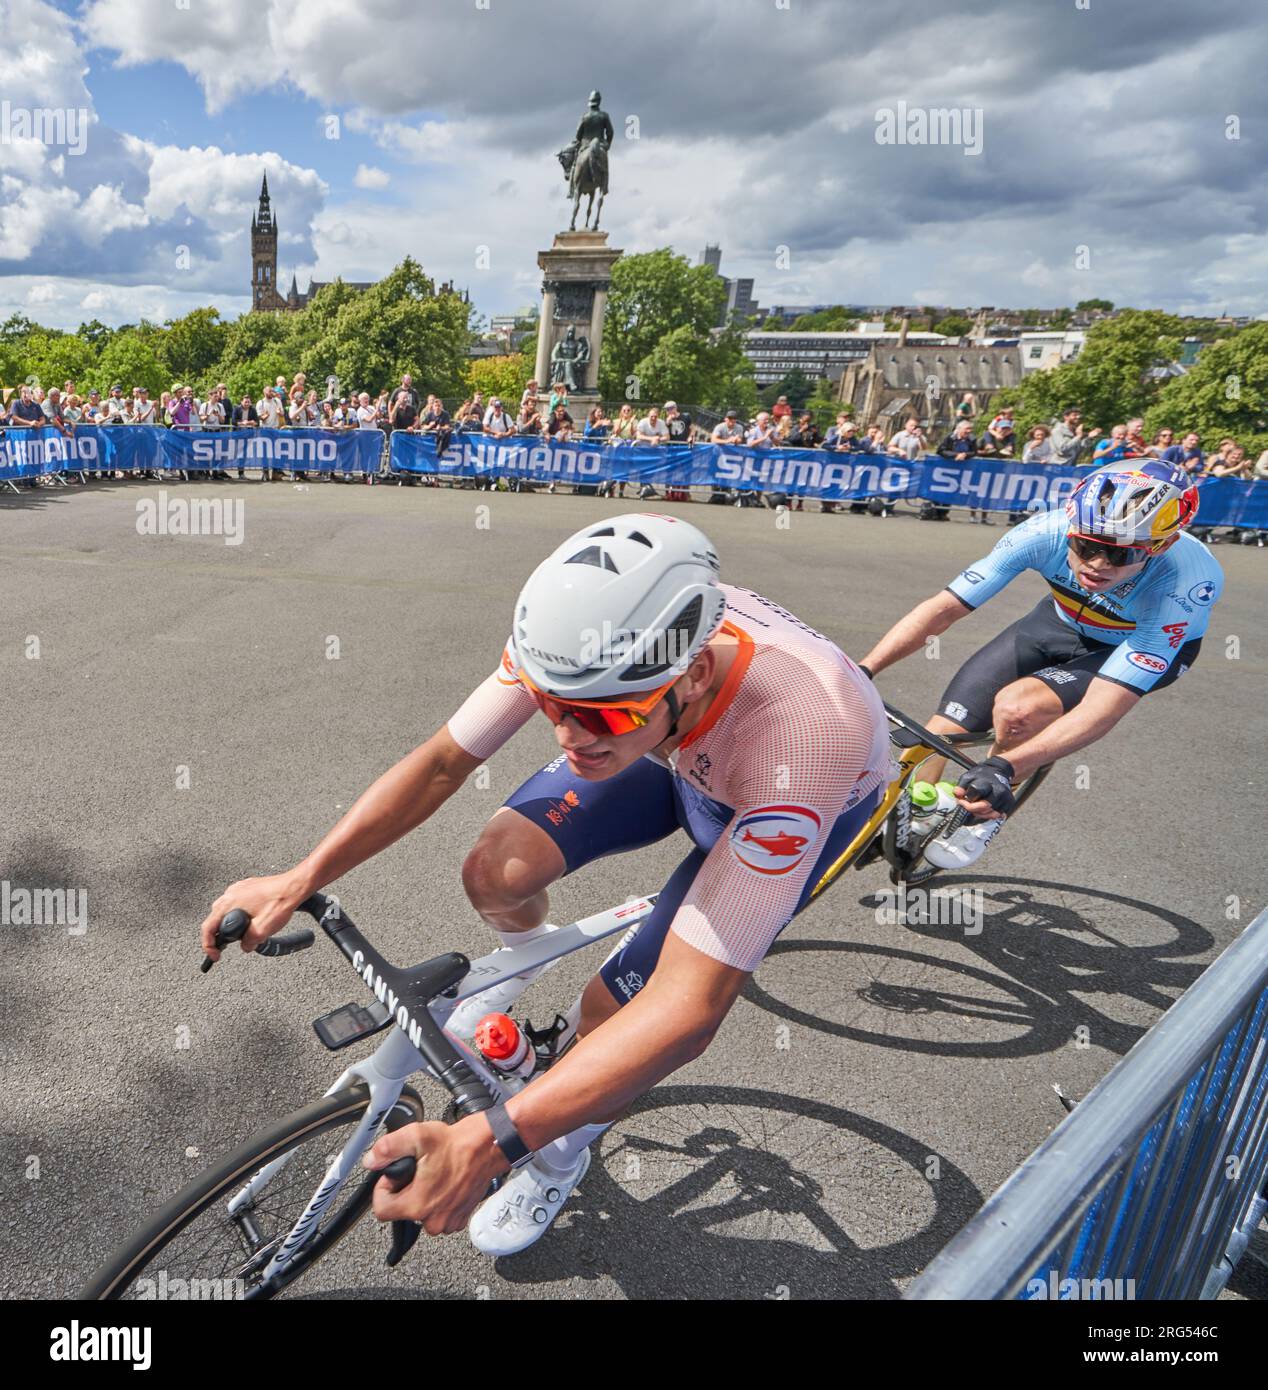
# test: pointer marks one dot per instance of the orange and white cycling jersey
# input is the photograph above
(795, 738)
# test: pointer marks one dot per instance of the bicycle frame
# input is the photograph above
(398, 1057)
(401, 1054)
(918, 745)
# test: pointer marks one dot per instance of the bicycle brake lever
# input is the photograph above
(404, 1234)
(399, 1174)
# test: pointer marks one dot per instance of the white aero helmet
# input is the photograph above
(621, 607)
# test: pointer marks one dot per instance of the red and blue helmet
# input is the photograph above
(1139, 501)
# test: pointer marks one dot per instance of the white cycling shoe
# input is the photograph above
(521, 1210)
(497, 999)
(964, 846)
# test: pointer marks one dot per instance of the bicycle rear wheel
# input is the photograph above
(194, 1239)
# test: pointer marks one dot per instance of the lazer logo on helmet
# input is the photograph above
(1147, 661)
(774, 839)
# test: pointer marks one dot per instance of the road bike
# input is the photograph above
(259, 1219)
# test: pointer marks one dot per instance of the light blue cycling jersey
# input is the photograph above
(1146, 619)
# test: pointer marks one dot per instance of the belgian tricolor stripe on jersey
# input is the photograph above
(1076, 606)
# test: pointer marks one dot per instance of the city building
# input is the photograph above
(739, 303)
(825, 355)
(1044, 349)
(893, 381)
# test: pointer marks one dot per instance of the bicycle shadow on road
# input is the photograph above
(1049, 946)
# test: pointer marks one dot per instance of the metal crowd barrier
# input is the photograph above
(1152, 1187)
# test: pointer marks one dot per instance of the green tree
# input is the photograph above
(192, 346)
(96, 334)
(659, 338)
(396, 326)
(131, 361)
(953, 326)
(48, 358)
(250, 378)
(1225, 392)
(17, 328)
(503, 376)
(653, 294)
(796, 385)
(246, 338)
(1090, 304)
(694, 369)
(825, 404)
(1108, 379)
(834, 320)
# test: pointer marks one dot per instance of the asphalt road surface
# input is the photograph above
(179, 712)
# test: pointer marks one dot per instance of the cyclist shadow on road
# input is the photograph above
(732, 1193)
(1049, 945)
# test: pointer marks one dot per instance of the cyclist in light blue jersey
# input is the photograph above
(1130, 596)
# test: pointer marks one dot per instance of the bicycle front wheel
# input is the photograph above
(219, 1256)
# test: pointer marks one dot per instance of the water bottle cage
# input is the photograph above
(549, 1043)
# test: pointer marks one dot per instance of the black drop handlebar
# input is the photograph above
(233, 927)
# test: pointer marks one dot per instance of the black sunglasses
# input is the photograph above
(1116, 555)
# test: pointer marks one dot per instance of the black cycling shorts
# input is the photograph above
(1044, 646)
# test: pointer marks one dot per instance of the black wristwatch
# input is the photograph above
(507, 1137)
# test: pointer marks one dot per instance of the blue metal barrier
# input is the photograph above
(1153, 1185)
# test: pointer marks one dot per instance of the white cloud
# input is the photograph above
(369, 177)
(104, 211)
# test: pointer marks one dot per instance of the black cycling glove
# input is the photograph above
(991, 781)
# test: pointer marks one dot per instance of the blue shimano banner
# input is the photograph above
(26, 453)
(305, 451)
(986, 483)
(991, 484)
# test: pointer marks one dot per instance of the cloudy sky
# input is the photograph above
(1104, 125)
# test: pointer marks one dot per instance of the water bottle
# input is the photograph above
(924, 800)
(504, 1046)
(930, 799)
(946, 796)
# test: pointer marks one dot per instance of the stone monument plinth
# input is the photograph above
(576, 271)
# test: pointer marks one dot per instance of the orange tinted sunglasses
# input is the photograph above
(599, 717)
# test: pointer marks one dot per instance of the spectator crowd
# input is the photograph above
(547, 413)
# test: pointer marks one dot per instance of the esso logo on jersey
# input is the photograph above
(1147, 661)
(774, 839)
